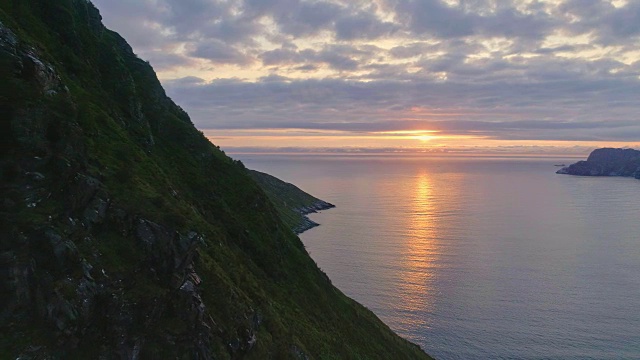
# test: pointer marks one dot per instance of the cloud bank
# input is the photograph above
(512, 70)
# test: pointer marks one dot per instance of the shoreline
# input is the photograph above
(307, 223)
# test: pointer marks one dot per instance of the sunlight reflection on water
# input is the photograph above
(480, 258)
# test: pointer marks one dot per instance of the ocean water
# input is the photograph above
(479, 258)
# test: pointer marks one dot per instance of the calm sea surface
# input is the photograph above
(479, 258)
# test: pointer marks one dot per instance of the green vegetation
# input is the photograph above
(291, 203)
(124, 233)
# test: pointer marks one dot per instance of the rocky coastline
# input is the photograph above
(292, 203)
(607, 162)
(307, 223)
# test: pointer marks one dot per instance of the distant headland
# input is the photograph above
(293, 205)
(607, 162)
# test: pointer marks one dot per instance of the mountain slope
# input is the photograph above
(124, 234)
(291, 202)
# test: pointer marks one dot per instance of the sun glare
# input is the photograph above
(422, 135)
(424, 138)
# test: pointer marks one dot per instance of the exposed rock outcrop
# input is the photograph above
(307, 223)
(607, 162)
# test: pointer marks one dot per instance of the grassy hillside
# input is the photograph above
(125, 234)
(291, 203)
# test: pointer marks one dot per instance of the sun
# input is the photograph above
(413, 135)
(424, 137)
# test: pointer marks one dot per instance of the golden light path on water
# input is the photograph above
(421, 249)
(479, 257)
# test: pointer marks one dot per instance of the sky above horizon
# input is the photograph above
(433, 75)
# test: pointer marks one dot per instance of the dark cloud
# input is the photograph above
(186, 17)
(609, 24)
(187, 81)
(512, 24)
(307, 67)
(232, 30)
(219, 52)
(338, 57)
(409, 51)
(440, 20)
(294, 17)
(163, 61)
(363, 25)
(625, 22)
(274, 78)
(337, 60)
(595, 111)
(281, 56)
(434, 17)
(308, 18)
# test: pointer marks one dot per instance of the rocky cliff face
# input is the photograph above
(81, 274)
(607, 162)
(124, 234)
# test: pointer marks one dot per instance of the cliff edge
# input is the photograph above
(292, 203)
(125, 234)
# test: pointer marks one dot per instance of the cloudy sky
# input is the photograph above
(540, 75)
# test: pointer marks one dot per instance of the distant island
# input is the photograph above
(607, 162)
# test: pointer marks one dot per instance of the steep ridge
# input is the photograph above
(292, 203)
(607, 162)
(124, 234)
